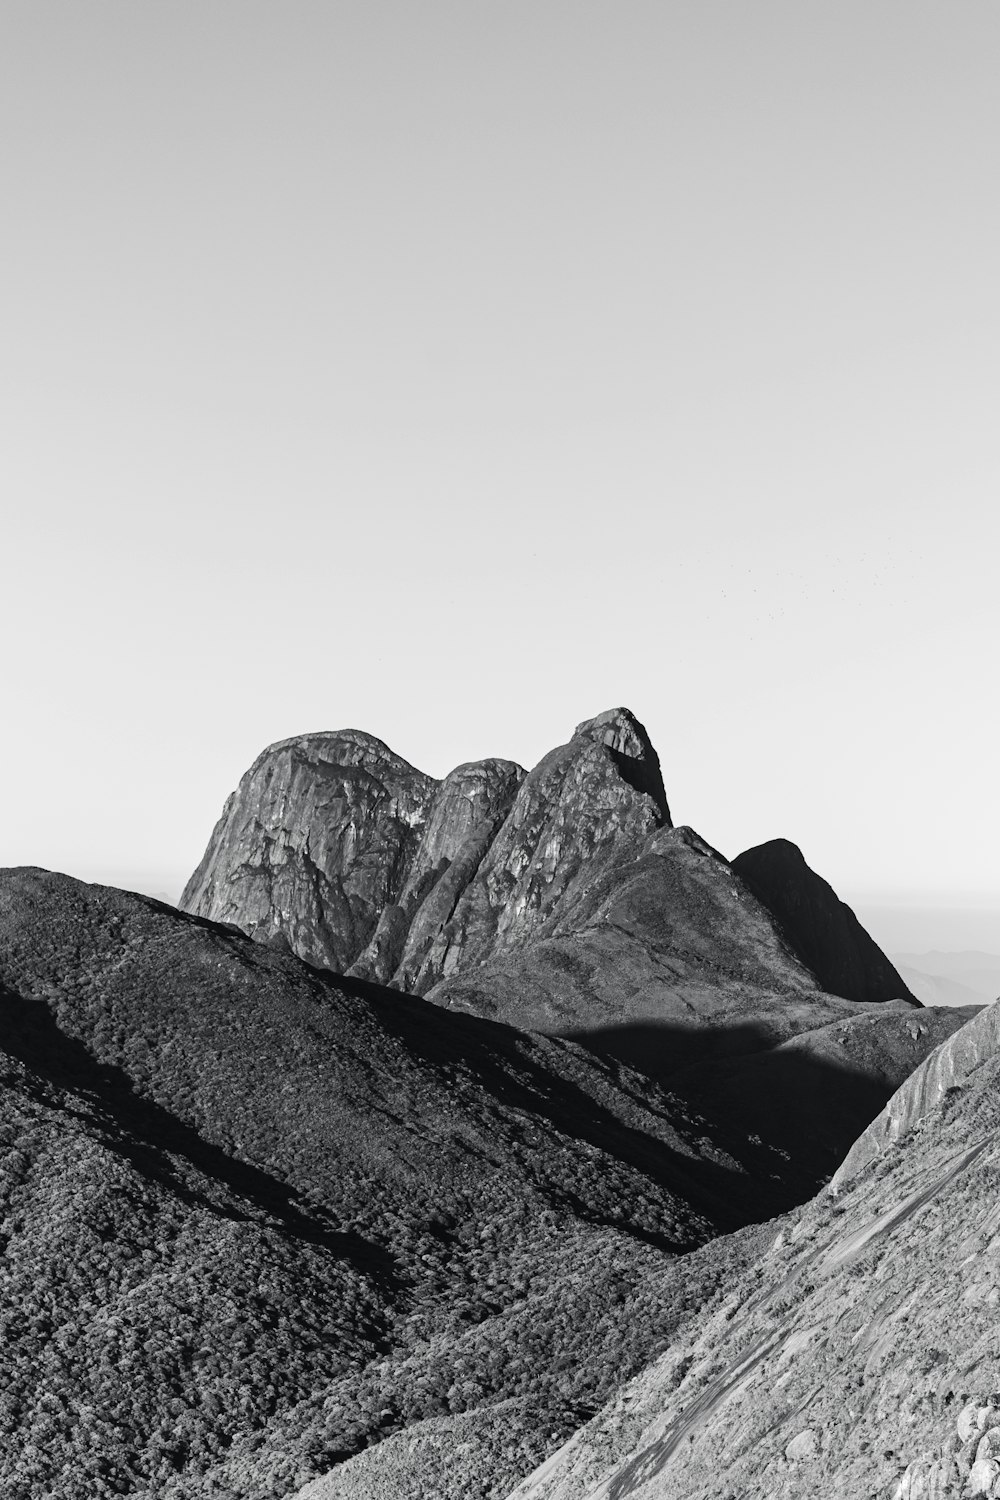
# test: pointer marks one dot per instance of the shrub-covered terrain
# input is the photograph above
(256, 1218)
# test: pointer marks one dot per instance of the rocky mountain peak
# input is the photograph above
(631, 750)
(338, 847)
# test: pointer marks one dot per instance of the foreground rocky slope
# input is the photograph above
(858, 1356)
(256, 1217)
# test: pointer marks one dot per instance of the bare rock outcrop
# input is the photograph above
(947, 1068)
(359, 862)
(599, 795)
(870, 1324)
(331, 842)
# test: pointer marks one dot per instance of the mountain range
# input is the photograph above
(957, 978)
(443, 1111)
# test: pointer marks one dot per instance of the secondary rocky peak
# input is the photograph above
(315, 842)
(821, 928)
(471, 803)
(597, 797)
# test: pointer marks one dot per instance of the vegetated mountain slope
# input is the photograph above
(471, 1454)
(822, 929)
(664, 1303)
(858, 1356)
(812, 1093)
(258, 1216)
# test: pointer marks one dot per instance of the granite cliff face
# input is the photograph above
(591, 801)
(332, 845)
(858, 1355)
(563, 899)
(360, 862)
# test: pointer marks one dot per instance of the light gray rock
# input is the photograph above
(981, 1477)
(948, 1067)
(332, 843)
(804, 1446)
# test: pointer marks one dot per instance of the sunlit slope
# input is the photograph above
(840, 1363)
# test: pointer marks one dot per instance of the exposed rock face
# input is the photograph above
(652, 929)
(948, 1067)
(468, 807)
(599, 795)
(870, 1324)
(360, 862)
(331, 843)
(822, 929)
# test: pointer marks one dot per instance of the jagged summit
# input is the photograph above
(634, 756)
(338, 847)
(504, 892)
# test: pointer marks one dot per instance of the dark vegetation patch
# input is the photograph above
(255, 1219)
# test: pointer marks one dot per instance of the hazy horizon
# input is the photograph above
(457, 373)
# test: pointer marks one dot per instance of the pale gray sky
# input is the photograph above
(456, 371)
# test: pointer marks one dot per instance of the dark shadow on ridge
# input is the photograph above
(731, 1197)
(803, 1106)
(147, 1135)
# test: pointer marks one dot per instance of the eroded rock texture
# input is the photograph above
(857, 1357)
(331, 844)
(561, 901)
(594, 799)
(362, 863)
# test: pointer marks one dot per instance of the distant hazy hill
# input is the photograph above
(962, 978)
